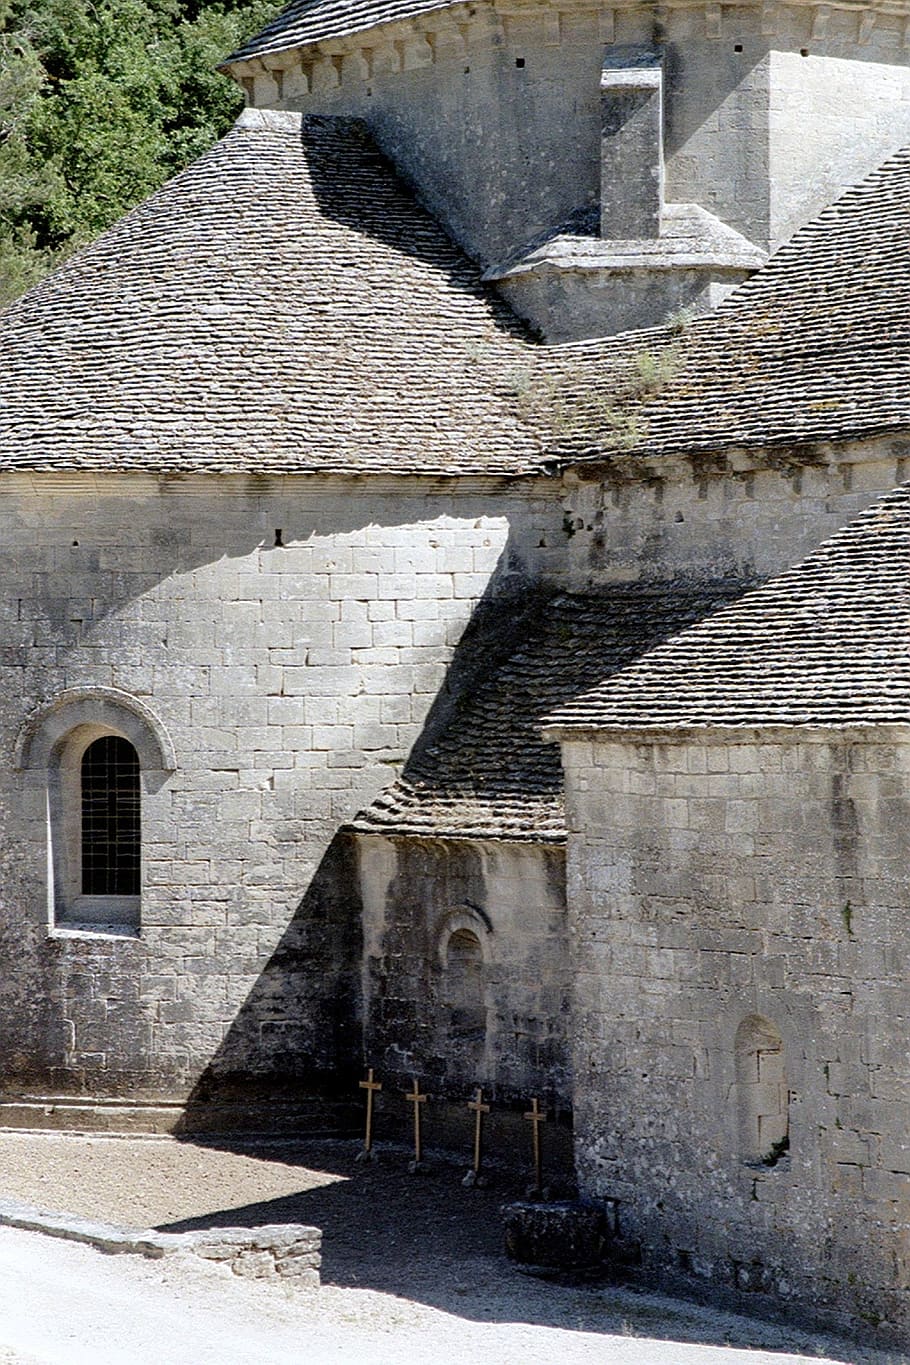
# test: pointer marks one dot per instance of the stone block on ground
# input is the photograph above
(289, 1250)
(557, 1236)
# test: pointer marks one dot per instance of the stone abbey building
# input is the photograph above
(456, 615)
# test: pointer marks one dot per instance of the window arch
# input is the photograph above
(762, 1096)
(463, 994)
(96, 752)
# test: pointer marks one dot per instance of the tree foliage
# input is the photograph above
(100, 102)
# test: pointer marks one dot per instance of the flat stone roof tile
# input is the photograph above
(814, 347)
(310, 21)
(281, 306)
(827, 643)
(488, 774)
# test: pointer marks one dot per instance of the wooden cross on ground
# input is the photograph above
(417, 1100)
(371, 1087)
(479, 1110)
(537, 1117)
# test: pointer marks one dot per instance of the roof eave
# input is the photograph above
(281, 54)
(723, 733)
(550, 838)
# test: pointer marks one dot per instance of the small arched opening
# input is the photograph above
(762, 1096)
(98, 753)
(464, 984)
(110, 811)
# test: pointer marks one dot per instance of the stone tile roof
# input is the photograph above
(281, 306)
(487, 774)
(826, 643)
(309, 21)
(284, 305)
(814, 347)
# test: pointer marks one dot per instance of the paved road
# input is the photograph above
(66, 1304)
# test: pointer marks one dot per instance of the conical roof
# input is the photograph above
(283, 305)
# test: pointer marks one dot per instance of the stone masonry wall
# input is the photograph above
(845, 77)
(496, 117)
(508, 1028)
(750, 515)
(736, 883)
(292, 680)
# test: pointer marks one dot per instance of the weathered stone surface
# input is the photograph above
(270, 446)
(726, 886)
(270, 210)
(765, 121)
(287, 702)
(563, 1236)
(288, 1250)
(832, 631)
(253, 1265)
(301, 1276)
(467, 959)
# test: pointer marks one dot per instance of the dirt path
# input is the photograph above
(64, 1304)
(412, 1269)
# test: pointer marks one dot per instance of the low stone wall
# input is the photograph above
(280, 1251)
(557, 1236)
(286, 1251)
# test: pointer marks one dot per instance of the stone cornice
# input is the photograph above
(809, 733)
(286, 74)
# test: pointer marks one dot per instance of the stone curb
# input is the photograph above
(271, 1251)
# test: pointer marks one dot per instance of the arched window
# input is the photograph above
(94, 786)
(762, 1097)
(464, 984)
(110, 835)
(97, 752)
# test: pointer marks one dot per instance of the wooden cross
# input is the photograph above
(417, 1100)
(370, 1086)
(479, 1108)
(537, 1118)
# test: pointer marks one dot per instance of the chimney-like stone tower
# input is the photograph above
(612, 165)
(632, 144)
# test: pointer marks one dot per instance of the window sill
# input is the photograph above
(94, 930)
(98, 916)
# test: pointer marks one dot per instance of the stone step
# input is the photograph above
(309, 1117)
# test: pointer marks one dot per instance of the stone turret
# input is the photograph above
(632, 259)
(606, 166)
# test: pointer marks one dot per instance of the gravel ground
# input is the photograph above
(417, 1257)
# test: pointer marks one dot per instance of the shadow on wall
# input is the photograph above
(294, 1052)
(180, 548)
(383, 207)
(290, 1055)
(299, 1038)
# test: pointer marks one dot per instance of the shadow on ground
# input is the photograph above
(428, 1240)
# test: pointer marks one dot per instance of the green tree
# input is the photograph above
(99, 104)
